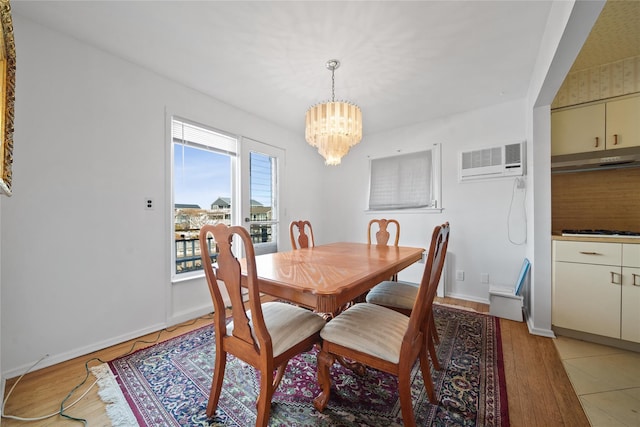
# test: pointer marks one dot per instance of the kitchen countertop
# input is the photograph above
(600, 239)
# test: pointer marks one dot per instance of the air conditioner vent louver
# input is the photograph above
(482, 158)
(512, 155)
(492, 162)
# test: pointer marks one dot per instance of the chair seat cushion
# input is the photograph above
(287, 324)
(394, 294)
(368, 328)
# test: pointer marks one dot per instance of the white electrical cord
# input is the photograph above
(13, 417)
(63, 409)
(518, 183)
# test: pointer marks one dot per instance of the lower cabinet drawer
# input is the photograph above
(588, 252)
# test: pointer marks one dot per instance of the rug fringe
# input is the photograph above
(118, 410)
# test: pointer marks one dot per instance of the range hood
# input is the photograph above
(596, 160)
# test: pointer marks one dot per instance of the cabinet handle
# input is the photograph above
(597, 141)
(589, 253)
(613, 278)
(615, 139)
(635, 279)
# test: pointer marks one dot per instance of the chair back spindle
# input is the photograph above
(298, 234)
(383, 235)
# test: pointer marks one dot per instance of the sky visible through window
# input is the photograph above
(202, 176)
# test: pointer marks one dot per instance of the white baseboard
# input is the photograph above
(81, 351)
(537, 331)
(189, 315)
(467, 297)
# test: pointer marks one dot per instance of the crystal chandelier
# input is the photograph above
(333, 127)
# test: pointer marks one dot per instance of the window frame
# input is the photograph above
(235, 192)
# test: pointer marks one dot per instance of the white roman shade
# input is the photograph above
(401, 182)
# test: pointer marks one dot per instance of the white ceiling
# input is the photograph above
(402, 62)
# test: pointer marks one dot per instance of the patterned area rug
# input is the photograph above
(168, 384)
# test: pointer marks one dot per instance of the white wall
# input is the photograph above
(84, 265)
(568, 26)
(477, 211)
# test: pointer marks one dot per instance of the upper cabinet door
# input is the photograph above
(623, 123)
(578, 130)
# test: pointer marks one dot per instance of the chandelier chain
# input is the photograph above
(333, 85)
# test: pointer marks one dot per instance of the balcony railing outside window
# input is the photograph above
(188, 254)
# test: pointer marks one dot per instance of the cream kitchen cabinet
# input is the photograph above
(594, 289)
(577, 130)
(623, 123)
(586, 296)
(607, 125)
(631, 293)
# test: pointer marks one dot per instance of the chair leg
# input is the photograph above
(279, 375)
(324, 362)
(432, 353)
(426, 377)
(216, 382)
(404, 390)
(434, 330)
(263, 404)
(429, 344)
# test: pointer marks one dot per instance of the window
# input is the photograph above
(220, 178)
(260, 199)
(204, 162)
(260, 191)
(407, 181)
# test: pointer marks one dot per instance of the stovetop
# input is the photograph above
(601, 233)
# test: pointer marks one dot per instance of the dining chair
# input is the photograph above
(401, 296)
(267, 335)
(382, 235)
(298, 233)
(384, 339)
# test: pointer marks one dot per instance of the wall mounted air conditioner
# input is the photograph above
(492, 162)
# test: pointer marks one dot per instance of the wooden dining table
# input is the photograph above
(327, 277)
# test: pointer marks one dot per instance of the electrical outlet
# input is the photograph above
(149, 203)
(484, 277)
(459, 275)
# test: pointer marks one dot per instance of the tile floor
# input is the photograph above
(606, 379)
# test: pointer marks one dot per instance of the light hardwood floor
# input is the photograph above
(538, 389)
